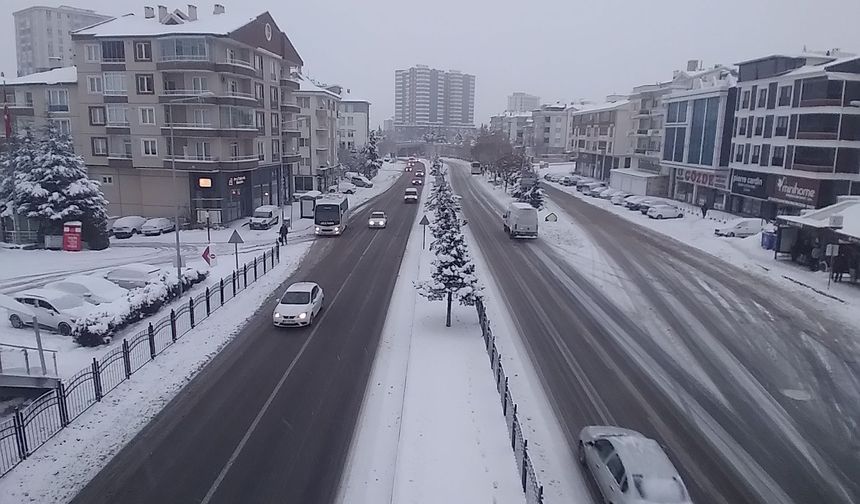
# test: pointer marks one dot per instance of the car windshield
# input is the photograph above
(377, 215)
(65, 302)
(262, 214)
(296, 297)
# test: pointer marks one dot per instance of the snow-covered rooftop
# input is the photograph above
(820, 66)
(132, 25)
(849, 209)
(602, 106)
(307, 85)
(64, 75)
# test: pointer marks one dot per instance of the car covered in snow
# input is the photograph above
(343, 187)
(300, 303)
(55, 310)
(647, 203)
(91, 288)
(740, 228)
(630, 468)
(619, 199)
(377, 220)
(595, 189)
(158, 225)
(664, 212)
(361, 181)
(632, 202)
(567, 180)
(411, 195)
(134, 275)
(128, 226)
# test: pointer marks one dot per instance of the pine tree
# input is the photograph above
(372, 162)
(16, 157)
(56, 190)
(454, 273)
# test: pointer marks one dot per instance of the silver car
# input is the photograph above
(630, 468)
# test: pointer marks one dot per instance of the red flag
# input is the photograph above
(7, 120)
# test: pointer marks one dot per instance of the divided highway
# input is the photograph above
(271, 418)
(753, 393)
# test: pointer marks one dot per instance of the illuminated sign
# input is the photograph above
(204, 182)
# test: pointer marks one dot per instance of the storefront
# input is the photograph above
(749, 195)
(793, 194)
(702, 187)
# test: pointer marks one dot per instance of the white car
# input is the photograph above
(91, 288)
(158, 225)
(740, 228)
(619, 199)
(664, 212)
(411, 195)
(377, 220)
(595, 190)
(53, 309)
(126, 227)
(298, 306)
(343, 187)
(630, 468)
(134, 275)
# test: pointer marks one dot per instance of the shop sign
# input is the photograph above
(749, 184)
(237, 180)
(716, 179)
(795, 190)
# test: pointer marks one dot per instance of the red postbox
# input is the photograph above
(72, 236)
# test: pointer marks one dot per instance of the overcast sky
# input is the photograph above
(558, 50)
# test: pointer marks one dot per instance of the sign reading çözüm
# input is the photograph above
(797, 190)
(749, 183)
(715, 178)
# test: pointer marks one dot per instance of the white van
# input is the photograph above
(520, 219)
(264, 217)
(740, 228)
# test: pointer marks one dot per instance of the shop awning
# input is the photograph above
(848, 209)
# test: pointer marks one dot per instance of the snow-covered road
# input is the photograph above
(754, 390)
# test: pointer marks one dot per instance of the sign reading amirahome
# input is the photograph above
(749, 184)
(796, 190)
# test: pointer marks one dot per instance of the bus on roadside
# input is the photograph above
(331, 215)
(476, 168)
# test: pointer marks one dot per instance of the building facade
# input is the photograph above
(208, 97)
(550, 136)
(37, 99)
(513, 125)
(428, 100)
(796, 133)
(318, 140)
(353, 124)
(522, 102)
(599, 137)
(697, 146)
(43, 39)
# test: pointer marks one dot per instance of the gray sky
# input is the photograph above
(559, 50)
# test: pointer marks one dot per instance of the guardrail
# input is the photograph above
(33, 425)
(519, 444)
(29, 360)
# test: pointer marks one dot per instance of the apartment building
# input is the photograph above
(513, 125)
(209, 96)
(353, 123)
(428, 100)
(698, 137)
(522, 102)
(796, 133)
(318, 140)
(43, 36)
(599, 137)
(36, 99)
(550, 129)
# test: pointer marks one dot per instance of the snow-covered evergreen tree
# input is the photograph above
(16, 157)
(534, 196)
(56, 190)
(372, 161)
(454, 272)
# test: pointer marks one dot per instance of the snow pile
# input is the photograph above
(103, 322)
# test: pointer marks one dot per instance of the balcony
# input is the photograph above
(240, 63)
(817, 135)
(821, 102)
(18, 105)
(290, 156)
(289, 82)
(291, 132)
(240, 158)
(185, 92)
(240, 94)
(321, 148)
(169, 58)
(290, 106)
(58, 107)
(191, 125)
(642, 113)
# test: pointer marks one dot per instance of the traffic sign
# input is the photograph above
(424, 221)
(206, 256)
(235, 238)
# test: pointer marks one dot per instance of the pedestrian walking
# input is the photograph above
(282, 233)
(704, 210)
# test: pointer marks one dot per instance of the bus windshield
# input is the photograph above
(327, 215)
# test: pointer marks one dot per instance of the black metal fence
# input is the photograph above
(519, 444)
(30, 427)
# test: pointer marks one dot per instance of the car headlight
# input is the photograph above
(336, 229)
(277, 315)
(317, 229)
(303, 315)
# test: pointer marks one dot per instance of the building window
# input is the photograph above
(304, 183)
(143, 51)
(94, 84)
(781, 126)
(759, 126)
(785, 96)
(64, 126)
(276, 149)
(199, 84)
(273, 91)
(303, 102)
(58, 100)
(756, 151)
(303, 142)
(261, 122)
(145, 84)
(259, 91)
(201, 117)
(261, 150)
(258, 63)
(778, 158)
(276, 124)
(739, 153)
(115, 84)
(117, 115)
(113, 51)
(762, 98)
(147, 115)
(97, 116)
(234, 150)
(745, 102)
(274, 70)
(92, 53)
(107, 180)
(742, 126)
(100, 146)
(149, 147)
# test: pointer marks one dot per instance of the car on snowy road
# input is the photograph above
(417, 181)
(377, 220)
(91, 288)
(411, 195)
(157, 226)
(128, 226)
(56, 310)
(630, 468)
(664, 212)
(300, 303)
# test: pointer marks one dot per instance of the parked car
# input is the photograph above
(56, 310)
(387, 159)
(594, 189)
(300, 303)
(361, 181)
(91, 288)
(158, 225)
(132, 276)
(417, 181)
(264, 217)
(632, 202)
(568, 181)
(664, 212)
(740, 228)
(630, 468)
(128, 226)
(583, 185)
(619, 199)
(377, 220)
(343, 187)
(411, 195)
(520, 219)
(646, 204)
(608, 193)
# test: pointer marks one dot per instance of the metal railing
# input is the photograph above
(519, 444)
(185, 92)
(183, 57)
(190, 157)
(24, 360)
(33, 425)
(248, 157)
(240, 63)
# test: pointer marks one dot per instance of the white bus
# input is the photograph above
(476, 168)
(331, 215)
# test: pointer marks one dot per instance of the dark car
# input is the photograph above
(417, 181)
(419, 174)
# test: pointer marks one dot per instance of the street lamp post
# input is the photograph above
(170, 103)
